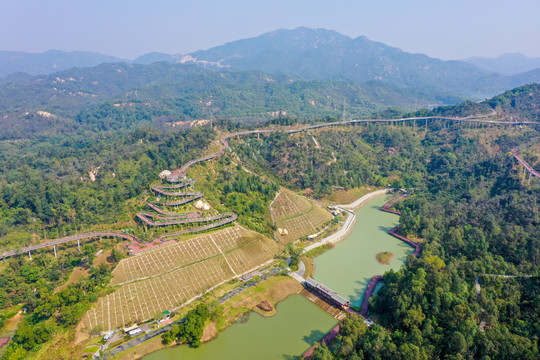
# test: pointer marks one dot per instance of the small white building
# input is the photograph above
(134, 332)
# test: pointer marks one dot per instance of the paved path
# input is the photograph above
(301, 268)
(180, 173)
(525, 164)
(358, 203)
(136, 341)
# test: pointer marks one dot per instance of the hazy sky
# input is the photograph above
(448, 29)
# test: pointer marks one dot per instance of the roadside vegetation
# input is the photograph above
(46, 190)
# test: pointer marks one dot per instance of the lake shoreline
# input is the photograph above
(342, 234)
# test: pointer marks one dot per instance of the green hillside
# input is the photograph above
(121, 96)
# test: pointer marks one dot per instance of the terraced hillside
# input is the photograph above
(168, 277)
(297, 216)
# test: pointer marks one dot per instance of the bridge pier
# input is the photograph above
(530, 178)
(30, 254)
(55, 253)
(79, 245)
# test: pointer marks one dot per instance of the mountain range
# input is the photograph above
(506, 64)
(119, 95)
(50, 61)
(304, 73)
(317, 54)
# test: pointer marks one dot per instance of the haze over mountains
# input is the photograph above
(302, 72)
(123, 94)
(506, 64)
(318, 54)
(50, 61)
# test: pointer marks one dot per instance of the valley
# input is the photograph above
(300, 193)
(169, 276)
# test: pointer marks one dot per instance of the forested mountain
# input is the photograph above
(134, 94)
(320, 54)
(519, 104)
(50, 61)
(506, 64)
(317, 54)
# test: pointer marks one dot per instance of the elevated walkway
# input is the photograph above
(326, 293)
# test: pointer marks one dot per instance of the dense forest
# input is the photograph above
(70, 184)
(473, 225)
(37, 287)
(121, 96)
(519, 104)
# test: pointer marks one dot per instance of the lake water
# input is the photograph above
(348, 267)
(296, 326)
(298, 323)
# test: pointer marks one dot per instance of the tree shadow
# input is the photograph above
(290, 357)
(314, 336)
(385, 229)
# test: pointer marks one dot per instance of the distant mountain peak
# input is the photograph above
(321, 54)
(49, 61)
(506, 64)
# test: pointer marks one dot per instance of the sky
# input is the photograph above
(446, 29)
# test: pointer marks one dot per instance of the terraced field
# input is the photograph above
(168, 277)
(298, 215)
(288, 205)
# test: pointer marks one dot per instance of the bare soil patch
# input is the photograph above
(310, 267)
(11, 325)
(210, 331)
(273, 290)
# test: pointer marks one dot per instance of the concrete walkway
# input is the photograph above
(358, 203)
(351, 217)
(342, 233)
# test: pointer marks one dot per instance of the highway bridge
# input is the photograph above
(526, 166)
(99, 234)
(180, 174)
